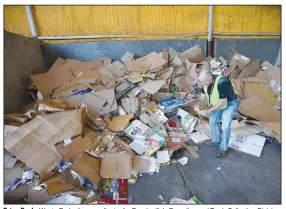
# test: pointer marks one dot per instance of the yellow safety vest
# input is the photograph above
(214, 97)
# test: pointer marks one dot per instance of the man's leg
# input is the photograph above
(214, 125)
(227, 116)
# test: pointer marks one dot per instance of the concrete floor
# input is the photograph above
(243, 179)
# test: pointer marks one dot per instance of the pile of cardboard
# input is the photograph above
(96, 126)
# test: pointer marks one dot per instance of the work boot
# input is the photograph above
(221, 153)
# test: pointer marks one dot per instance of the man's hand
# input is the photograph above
(203, 112)
(197, 108)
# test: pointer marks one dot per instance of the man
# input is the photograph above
(223, 104)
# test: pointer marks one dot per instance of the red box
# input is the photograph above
(113, 191)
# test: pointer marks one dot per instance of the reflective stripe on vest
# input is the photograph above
(214, 97)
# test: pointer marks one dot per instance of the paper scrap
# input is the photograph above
(138, 146)
(163, 156)
(199, 137)
(67, 141)
(183, 160)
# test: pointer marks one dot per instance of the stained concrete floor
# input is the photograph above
(242, 179)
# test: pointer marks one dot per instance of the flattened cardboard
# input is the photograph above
(105, 72)
(141, 65)
(242, 129)
(86, 77)
(152, 87)
(250, 70)
(172, 53)
(77, 147)
(36, 139)
(252, 144)
(182, 83)
(259, 109)
(65, 93)
(263, 75)
(38, 197)
(16, 195)
(88, 167)
(116, 166)
(61, 182)
(275, 129)
(47, 82)
(97, 64)
(185, 61)
(108, 81)
(175, 62)
(119, 123)
(235, 73)
(252, 87)
(165, 74)
(93, 102)
(116, 68)
(192, 73)
(135, 78)
(194, 54)
(155, 60)
(10, 174)
(140, 164)
(109, 96)
(81, 67)
(96, 120)
(165, 56)
(127, 58)
(58, 64)
(99, 87)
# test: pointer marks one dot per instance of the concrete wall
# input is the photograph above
(263, 49)
(22, 57)
(86, 51)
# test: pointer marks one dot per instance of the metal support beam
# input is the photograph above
(31, 22)
(210, 32)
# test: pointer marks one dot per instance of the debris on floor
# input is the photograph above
(193, 200)
(95, 127)
(183, 160)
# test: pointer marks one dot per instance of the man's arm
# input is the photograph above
(220, 104)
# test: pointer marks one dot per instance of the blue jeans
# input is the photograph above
(226, 115)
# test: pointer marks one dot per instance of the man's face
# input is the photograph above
(206, 80)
